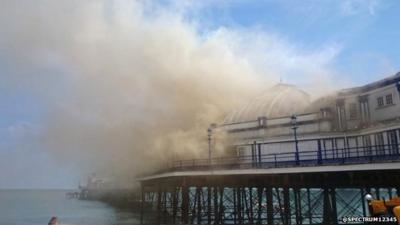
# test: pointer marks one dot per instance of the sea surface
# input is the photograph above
(36, 207)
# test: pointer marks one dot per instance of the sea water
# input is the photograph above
(36, 207)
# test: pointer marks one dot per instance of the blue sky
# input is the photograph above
(366, 33)
(353, 40)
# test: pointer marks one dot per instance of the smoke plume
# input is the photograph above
(127, 85)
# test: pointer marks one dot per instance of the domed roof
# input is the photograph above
(278, 101)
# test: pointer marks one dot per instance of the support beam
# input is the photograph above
(330, 213)
(239, 205)
(286, 205)
(221, 206)
(251, 213)
(310, 219)
(198, 195)
(159, 195)
(327, 207)
(245, 204)
(259, 201)
(234, 190)
(216, 218)
(281, 207)
(334, 208)
(174, 205)
(142, 199)
(270, 209)
(297, 204)
(185, 204)
(164, 206)
(209, 205)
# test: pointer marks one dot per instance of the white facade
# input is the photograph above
(361, 121)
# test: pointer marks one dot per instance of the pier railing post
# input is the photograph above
(319, 153)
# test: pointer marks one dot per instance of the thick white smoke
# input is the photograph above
(126, 84)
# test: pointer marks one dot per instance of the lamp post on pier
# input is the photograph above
(296, 142)
(210, 133)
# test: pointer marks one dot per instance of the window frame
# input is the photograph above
(389, 97)
(353, 114)
(380, 102)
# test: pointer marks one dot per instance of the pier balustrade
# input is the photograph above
(338, 156)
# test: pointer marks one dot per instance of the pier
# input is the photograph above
(278, 167)
(268, 191)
